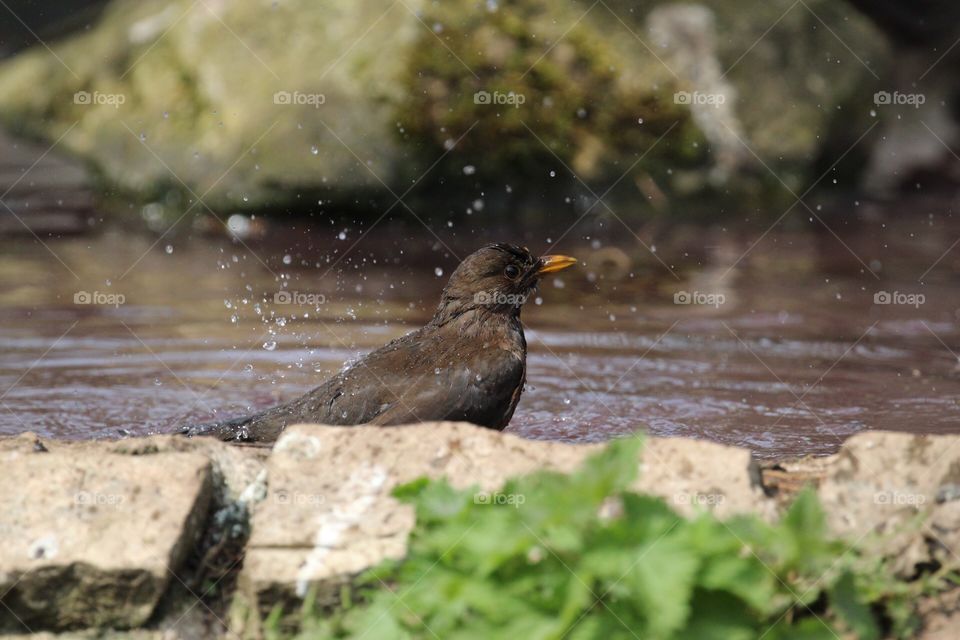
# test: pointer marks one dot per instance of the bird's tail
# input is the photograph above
(234, 429)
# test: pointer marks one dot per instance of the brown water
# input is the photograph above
(796, 358)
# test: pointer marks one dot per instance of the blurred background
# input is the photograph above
(206, 207)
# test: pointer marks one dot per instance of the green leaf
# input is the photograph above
(845, 599)
(803, 629)
(613, 469)
(804, 531)
(719, 616)
(661, 579)
(742, 576)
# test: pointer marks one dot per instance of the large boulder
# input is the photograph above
(93, 538)
(249, 104)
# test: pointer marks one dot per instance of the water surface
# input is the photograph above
(790, 355)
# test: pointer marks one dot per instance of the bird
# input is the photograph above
(468, 363)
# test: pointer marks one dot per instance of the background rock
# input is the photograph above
(174, 97)
(55, 197)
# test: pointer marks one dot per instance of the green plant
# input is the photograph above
(581, 556)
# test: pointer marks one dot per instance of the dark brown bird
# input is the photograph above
(468, 363)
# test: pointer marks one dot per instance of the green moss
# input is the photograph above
(566, 87)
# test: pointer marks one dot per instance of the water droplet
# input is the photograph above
(168, 249)
(342, 235)
(287, 259)
(438, 271)
(270, 345)
(469, 170)
(639, 120)
(314, 150)
(436, 371)
(553, 173)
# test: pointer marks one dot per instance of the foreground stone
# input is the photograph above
(92, 539)
(94, 532)
(899, 494)
(329, 514)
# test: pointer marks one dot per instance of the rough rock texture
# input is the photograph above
(93, 539)
(906, 487)
(329, 514)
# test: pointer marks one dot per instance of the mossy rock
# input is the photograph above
(199, 114)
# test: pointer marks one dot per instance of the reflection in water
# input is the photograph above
(786, 353)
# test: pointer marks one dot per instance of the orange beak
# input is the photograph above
(550, 264)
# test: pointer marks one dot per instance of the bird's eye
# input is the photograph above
(511, 271)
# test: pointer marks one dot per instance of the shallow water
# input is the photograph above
(796, 358)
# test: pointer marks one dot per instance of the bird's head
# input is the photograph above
(497, 278)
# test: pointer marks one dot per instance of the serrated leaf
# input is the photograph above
(742, 576)
(845, 600)
(661, 579)
(718, 616)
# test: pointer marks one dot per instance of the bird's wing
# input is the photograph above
(480, 386)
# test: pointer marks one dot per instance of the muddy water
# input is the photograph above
(784, 348)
